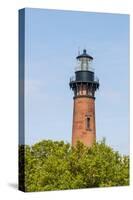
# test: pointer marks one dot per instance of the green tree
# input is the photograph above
(54, 165)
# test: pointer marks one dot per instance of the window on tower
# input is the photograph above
(87, 123)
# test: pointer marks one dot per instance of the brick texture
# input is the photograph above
(84, 108)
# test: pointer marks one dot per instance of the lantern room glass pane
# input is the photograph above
(84, 64)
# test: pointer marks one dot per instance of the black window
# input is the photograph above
(87, 123)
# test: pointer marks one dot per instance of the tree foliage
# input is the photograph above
(54, 165)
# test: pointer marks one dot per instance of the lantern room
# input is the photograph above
(84, 62)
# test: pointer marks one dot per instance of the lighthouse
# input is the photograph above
(84, 85)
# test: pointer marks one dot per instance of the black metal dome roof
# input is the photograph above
(84, 55)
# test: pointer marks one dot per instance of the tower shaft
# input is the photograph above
(84, 129)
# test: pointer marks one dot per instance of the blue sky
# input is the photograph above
(52, 41)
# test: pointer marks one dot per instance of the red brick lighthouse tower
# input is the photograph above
(84, 85)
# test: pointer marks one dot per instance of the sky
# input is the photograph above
(52, 41)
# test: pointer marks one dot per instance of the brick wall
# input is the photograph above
(84, 108)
